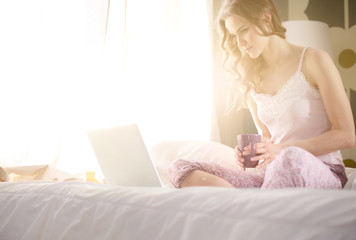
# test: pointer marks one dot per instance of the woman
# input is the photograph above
(296, 98)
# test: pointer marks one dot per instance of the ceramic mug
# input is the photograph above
(244, 140)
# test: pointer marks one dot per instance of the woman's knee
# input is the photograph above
(178, 170)
(178, 166)
(291, 157)
(184, 173)
(201, 178)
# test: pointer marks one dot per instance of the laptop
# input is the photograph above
(123, 157)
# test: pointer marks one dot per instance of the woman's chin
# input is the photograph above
(253, 54)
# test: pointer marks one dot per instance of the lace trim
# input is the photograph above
(293, 89)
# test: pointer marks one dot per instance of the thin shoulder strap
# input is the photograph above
(301, 60)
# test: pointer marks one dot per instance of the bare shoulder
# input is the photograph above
(317, 63)
(316, 53)
(316, 58)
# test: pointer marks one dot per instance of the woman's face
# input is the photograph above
(249, 38)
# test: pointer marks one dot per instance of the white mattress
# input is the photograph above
(75, 210)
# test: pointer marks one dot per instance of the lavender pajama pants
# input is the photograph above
(293, 167)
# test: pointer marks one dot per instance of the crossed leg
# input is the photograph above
(201, 178)
(293, 167)
(183, 173)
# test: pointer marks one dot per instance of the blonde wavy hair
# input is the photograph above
(245, 71)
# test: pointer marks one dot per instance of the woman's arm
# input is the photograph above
(262, 129)
(267, 150)
(320, 71)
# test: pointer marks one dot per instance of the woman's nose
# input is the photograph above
(241, 42)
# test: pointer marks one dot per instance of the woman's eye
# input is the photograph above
(243, 30)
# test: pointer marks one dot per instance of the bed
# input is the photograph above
(81, 210)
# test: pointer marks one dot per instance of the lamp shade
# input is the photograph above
(308, 33)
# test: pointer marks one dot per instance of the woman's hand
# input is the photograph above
(266, 151)
(239, 158)
(240, 155)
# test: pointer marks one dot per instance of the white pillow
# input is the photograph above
(165, 152)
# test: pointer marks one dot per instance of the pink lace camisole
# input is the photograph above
(295, 112)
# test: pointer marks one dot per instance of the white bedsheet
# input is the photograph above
(76, 210)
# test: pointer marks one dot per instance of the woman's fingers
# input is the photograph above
(239, 158)
(237, 152)
(241, 165)
(267, 159)
(247, 150)
(260, 148)
(259, 157)
(260, 152)
(263, 163)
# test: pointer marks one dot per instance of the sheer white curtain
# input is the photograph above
(58, 79)
(163, 82)
(48, 64)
